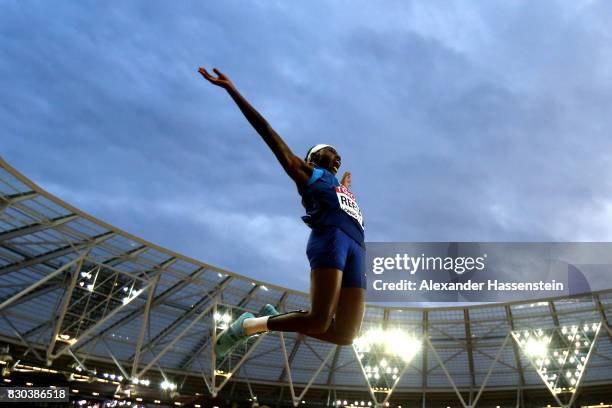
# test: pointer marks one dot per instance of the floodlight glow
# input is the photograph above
(536, 348)
(395, 342)
(167, 385)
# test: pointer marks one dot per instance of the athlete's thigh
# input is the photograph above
(350, 310)
(324, 290)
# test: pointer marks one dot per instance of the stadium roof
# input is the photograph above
(76, 289)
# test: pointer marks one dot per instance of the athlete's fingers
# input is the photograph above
(204, 73)
(216, 81)
(346, 179)
(219, 74)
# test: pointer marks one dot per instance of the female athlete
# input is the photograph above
(335, 248)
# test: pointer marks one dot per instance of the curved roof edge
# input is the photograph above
(39, 190)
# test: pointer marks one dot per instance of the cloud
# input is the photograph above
(459, 121)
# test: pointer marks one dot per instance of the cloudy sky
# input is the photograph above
(483, 121)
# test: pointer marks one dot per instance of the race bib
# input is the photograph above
(348, 203)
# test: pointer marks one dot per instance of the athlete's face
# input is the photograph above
(329, 159)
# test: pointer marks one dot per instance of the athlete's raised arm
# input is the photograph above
(295, 167)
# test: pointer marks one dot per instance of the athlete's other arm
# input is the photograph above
(346, 179)
(294, 166)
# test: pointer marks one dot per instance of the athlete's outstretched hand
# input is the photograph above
(346, 179)
(221, 80)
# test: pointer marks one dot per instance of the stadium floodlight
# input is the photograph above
(536, 347)
(559, 354)
(132, 294)
(392, 342)
(222, 320)
(384, 355)
(167, 385)
(66, 338)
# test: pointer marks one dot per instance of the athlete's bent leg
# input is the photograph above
(347, 322)
(324, 295)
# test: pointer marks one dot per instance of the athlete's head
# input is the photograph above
(324, 156)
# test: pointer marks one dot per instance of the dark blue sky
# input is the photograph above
(459, 120)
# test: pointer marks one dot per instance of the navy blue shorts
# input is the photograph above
(330, 247)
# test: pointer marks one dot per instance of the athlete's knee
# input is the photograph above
(319, 322)
(345, 338)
